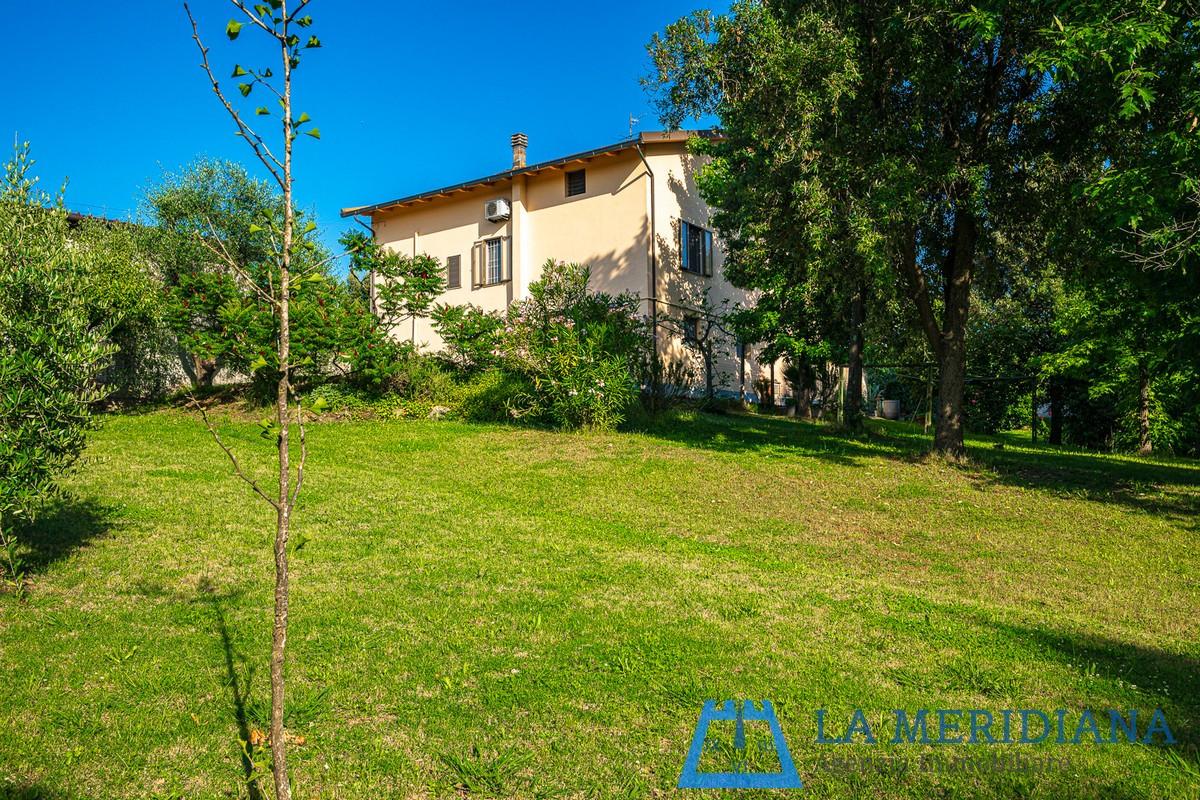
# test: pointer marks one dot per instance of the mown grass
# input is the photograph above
(489, 611)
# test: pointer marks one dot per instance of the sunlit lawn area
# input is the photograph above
(491, 611)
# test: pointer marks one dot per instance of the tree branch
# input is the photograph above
(906, 265)
(255, 19)
(224, 255)
(237, 467)
(273, 165)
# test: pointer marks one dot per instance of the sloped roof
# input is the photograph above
(651, 137)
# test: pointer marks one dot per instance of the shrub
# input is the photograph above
(471, 335)
(494, 395)
(581, 351)
(372, 361)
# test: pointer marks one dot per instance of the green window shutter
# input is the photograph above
(683, 245)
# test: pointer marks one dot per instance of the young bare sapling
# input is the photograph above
(284, 25)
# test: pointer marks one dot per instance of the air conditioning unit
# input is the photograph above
(496, 210)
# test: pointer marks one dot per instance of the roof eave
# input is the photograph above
(655, 137)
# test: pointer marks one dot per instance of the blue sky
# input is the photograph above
(408, 96)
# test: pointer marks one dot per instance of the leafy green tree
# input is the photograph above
(282, 27)
(788, 216)
(209, 200)
(400, 288)
(218, 249)
(124, 288)
(384, 290)
(51, 349)
(1133, 335)
(904, 132)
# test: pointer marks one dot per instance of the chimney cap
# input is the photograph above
(519, 140)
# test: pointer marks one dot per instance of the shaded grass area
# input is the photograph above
(497, 612)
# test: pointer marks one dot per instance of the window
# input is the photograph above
(691, 329)
(495, 260)
(454, 272)
(695, 248)
(576, 183)
(490, 262)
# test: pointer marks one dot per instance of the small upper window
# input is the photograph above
(691, 329)
(695, 249)
(576, 183)
(453, 272)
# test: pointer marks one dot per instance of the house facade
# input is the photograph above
(630, 211)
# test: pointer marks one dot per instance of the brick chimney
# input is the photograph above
(519, 142)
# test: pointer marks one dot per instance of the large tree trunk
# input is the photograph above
(852, 402)
(948, 430)
(1055, 391)
(947, 342)
(1145, 446)
(204, 371)
(958, 272)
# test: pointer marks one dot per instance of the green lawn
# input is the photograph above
(490, 611)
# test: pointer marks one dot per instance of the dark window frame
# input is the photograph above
(575, 191)
(696, 249)
(491, 278)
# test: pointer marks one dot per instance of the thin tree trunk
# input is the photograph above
(282, 172)
(709, 387)
(279, 770)
(852, 402)
(1055, 391)
(1033, 412)
(1145, 446)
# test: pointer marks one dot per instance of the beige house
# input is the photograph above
(631, 211)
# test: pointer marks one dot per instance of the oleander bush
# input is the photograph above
(580, 350)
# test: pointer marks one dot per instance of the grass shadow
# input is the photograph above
(1173, 678)
(10, 790)
(737, 432)
(63, 527)
(239, 688)
(1164, 487)
(1167, 489)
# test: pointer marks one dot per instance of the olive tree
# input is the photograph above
(50, 352)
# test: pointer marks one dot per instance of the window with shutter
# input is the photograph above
(454, 272)
(491, 262)
(576, 183)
